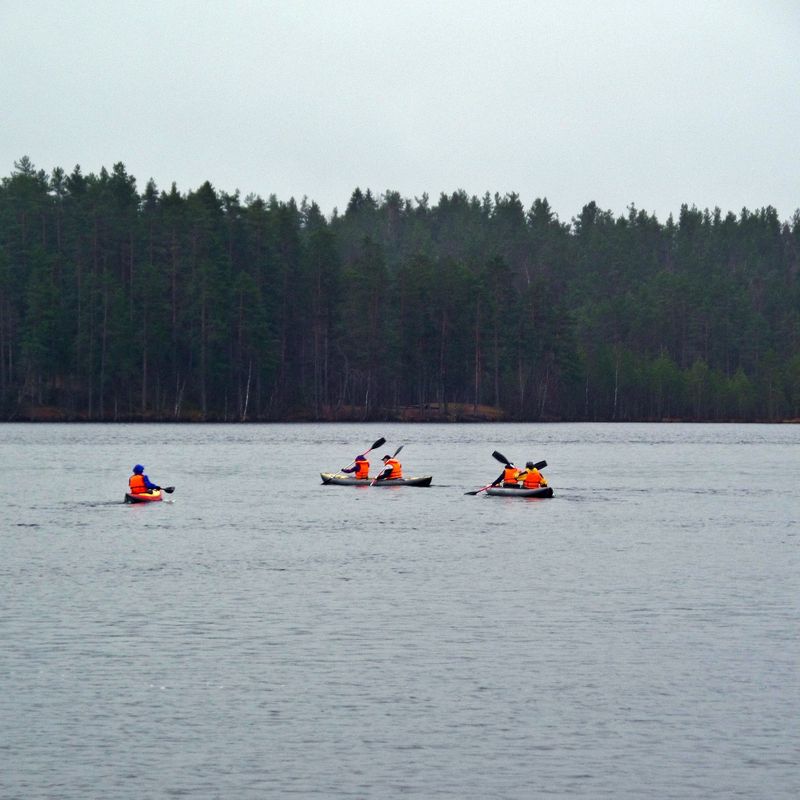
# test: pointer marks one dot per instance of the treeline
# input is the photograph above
(116, 304)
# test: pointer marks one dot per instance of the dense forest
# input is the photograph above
(121, 305)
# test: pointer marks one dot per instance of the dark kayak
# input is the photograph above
(499, 491)
(145, 497)
(339, 479)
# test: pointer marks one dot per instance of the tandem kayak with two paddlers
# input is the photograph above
(340, 479)
(389, 475)
(503, 486)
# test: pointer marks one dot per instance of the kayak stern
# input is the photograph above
(144, 497)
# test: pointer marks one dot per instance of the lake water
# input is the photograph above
(262, 635)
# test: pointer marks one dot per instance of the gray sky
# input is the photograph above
(651, 103)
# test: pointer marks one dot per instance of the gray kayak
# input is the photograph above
(340, 479)
(499, 491)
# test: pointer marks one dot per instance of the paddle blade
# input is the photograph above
(398, 450)
(377, 443)
(168, 489)
(503, 460)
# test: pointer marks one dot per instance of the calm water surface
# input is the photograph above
(265, 636)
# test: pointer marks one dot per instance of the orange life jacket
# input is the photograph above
(533, 479)
(362, 469)
(397, 469)
(137, 484)
(510, 474)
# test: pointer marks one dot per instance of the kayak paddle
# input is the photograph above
(167, 489)
(483, 488)
(503, 460)
(375, 444)
(394, 456)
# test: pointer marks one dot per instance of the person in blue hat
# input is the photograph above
(360, 468)
(139, 482)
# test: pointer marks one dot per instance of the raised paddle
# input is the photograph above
(376, 443)
(503, 460)
(393, 456)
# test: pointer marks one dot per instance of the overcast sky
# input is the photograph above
(651, 103)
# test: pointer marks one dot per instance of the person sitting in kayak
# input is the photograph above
(531, 477)
(139, 482)
(509, 477)
(391, 471)
(360, 468)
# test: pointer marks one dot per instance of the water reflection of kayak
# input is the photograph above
(144, 497)
(339, 479)
(509, 491)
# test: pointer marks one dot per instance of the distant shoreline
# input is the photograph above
(456, 415)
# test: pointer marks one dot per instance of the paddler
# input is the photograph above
(360, 468)
(392, 469)
(531, 477)
(139, 483)
(509, 477)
